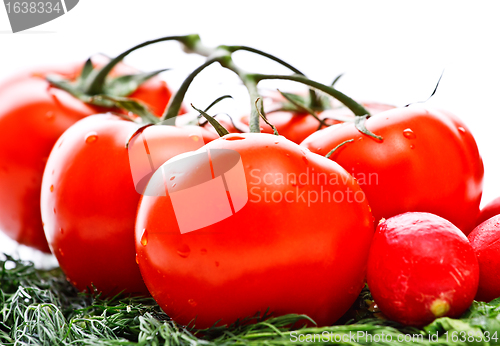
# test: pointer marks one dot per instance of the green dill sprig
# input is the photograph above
(40, 307)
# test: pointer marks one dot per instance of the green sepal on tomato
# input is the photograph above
(427, 161)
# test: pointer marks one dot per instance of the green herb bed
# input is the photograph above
(39, 307)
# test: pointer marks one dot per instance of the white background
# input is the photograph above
(388, 51)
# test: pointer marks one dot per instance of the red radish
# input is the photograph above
(491, 209)
(485, 242)
(421, 267)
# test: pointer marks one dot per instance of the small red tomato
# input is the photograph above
(224, 232)
(485, 240)
(421, 267)
(428, 161)
(491, 209)
(89, 200)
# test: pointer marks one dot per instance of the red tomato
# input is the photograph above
(421, 267)
(428, 161)
(298, 126)
(485, 239)
(260, 223)
(491, 209)
(33, 114)
(89, 202)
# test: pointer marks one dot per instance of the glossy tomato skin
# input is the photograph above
(421, 267)
(89, 204)
(428, 161)
(249, 261)
(491, 209)
(33, 115)
(485, 240)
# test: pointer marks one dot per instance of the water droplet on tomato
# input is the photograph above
(172, 177)
(54, 210)
(461, 129)
(194, 138)
(360, 138)
(61, 142)
(51, 188)
(306, 161)
(144, 238)
(49, 115)
(53, 171)
(173, 185)
(192, 302)
(276, 142)
(233, 138)
(408, 133)
(137, 258)
(61, 230)
(91, 137)
(216, 263)
(203, 251)
(61, 252)
(183, 251)
(288, 155)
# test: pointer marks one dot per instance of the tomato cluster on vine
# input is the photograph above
(222, 216)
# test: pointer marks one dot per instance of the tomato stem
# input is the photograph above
(359, 111)
(224, 54)
(95, 82)
(355, 107)
(314, 103)
(175, 103)
(226, 61)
